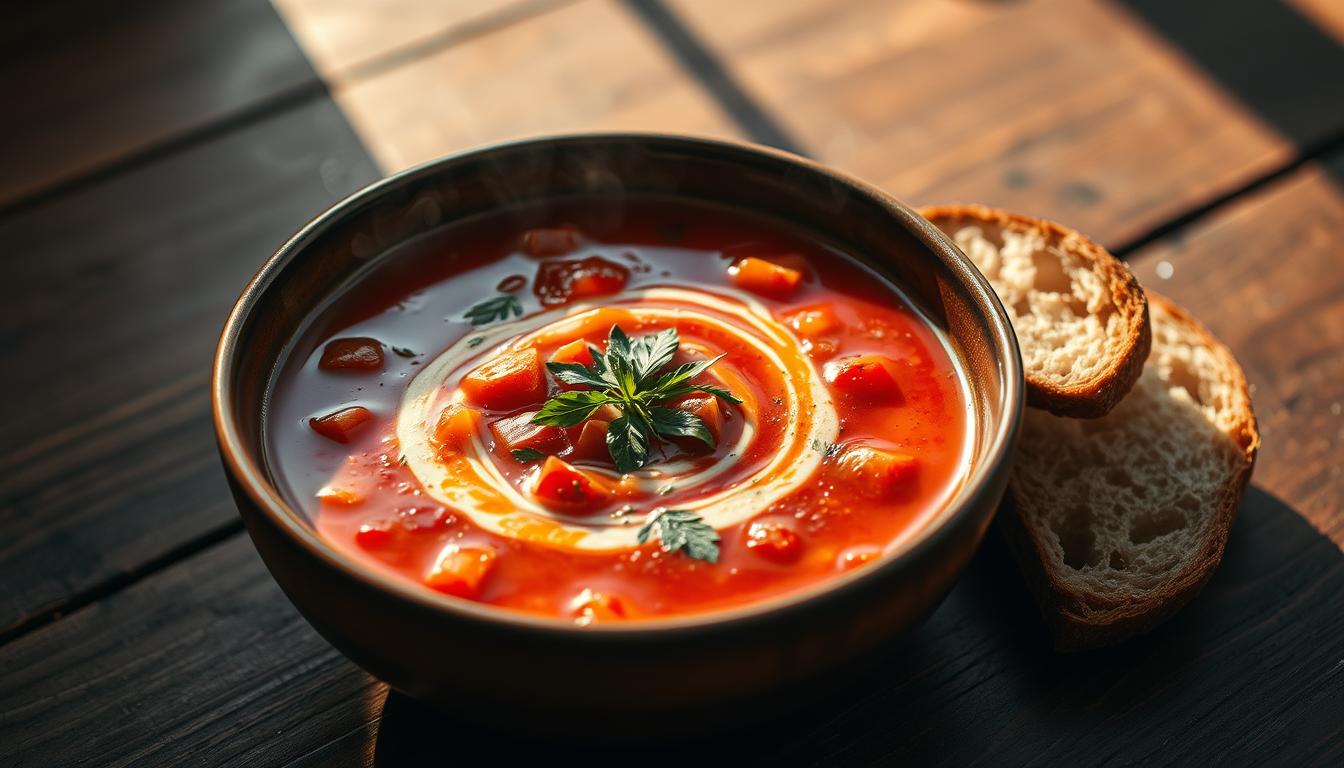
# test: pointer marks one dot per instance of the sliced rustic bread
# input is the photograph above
(1118, 521)
(1080, 316)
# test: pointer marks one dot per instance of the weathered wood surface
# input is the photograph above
(587, 66)
(107, 457)
(1078, 110)
(87, 84)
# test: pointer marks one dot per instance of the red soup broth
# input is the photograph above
(404, 429)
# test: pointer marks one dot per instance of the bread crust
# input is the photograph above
(1097, 395)
(1081, 619)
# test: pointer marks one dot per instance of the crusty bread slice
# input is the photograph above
(1080, 316)
(1118, 521)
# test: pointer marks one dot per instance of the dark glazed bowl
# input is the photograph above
(542, 675)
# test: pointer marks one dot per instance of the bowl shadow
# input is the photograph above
(1250, 670)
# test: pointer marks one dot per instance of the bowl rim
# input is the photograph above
(249, 474)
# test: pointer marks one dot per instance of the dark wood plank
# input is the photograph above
(106, 449)
(627, 82)
(208, 655)
(204, 664)
(1111, 118)
(87, 83)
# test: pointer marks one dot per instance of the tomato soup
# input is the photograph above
(608, 412)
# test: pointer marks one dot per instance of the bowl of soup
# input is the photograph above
(597, 428)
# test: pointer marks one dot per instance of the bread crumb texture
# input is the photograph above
(1124, 505)
(1061, 307)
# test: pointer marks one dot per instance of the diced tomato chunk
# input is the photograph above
(550, 241)
(765, 277)
(775, 541)
(461, 572)
(512, 380)
(560, 282)
(575, 351)
(518, 432)
(561, 485)
(814, 322)
(342, 497)
(456, 425)
(591, 444)
(375, 536)
(340, 424)
(878, 474)
(358, 353)
(708, 409)
(590, 605)
(868, 377)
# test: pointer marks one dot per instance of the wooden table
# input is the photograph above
(155, 152)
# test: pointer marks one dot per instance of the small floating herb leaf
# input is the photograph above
(682, 530)
(526, 455)
(498, 308)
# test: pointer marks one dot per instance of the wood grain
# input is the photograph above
(106, 449)
(88, 83)
(1070, 109)
(205, 664)
(342, 37)
(1267, 276)
(587, 66)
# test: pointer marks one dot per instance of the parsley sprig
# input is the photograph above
(497, 308)
(680, 529)
(630, 375)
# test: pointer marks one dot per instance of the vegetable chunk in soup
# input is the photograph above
(608, 411)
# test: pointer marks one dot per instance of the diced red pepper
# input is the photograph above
(358, 353)
(876, 473)
(868, 377)
(814, 322)
(591, 444)
(590, 605)
(550, 241)
(518, 432)
(562, 486)
(560, 282)
(775, 541)
(341, 424)
(461, 572)
(456, 425)
(765, 277)
(575, 351)
(512, 380)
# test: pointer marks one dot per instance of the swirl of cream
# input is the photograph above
(474, 485)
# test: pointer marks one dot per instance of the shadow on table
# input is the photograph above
(1250, 668)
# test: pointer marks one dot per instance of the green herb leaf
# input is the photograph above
(526, 455)
(683, 373)
(682, 530)
(670, 423)
(498, 308)
(650, 353)
(575, 373)
(708, 389)
(569, 408)
(627, 444)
